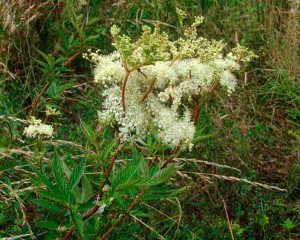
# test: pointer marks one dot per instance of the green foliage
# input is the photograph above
(255, 130)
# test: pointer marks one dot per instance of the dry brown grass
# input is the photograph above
(282, 26)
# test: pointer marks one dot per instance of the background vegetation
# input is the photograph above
(255, 130)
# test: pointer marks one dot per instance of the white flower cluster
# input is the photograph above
(113, 72)
(153, 86)
(167, 107)
(36, 128)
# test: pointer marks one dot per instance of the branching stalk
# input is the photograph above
(199, 108)
(172, 156)
(148, 91)
(100, 191)
(124, 89)
(124, 215)
(197, 114)
(127, 71)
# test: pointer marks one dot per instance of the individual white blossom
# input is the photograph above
(36, 128)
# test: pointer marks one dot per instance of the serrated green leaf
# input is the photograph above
(76, 175)
(66, 170)
(59, 173)
(129, 184)
(90, 38)
(77, 220)
(56, 196)
(60, 60)
(64, 87)
(135, 181)
(120, 203)
(107, 133)
(47, 204)
(46, 181)
(139, 213)
(84, 193)
(107, 150)
(49, 59)
(159, 192)
(52, 90)
(165, 173)
(89, 132)
(144, 168)
(44, 65)
(47, 224)
(62, 69)
(128, 172)
(94, 20)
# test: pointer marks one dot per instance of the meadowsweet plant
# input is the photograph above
(154, 85)
(153, 90)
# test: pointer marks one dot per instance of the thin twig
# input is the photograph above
(113, 214)
(110, 166)
(173, 61)
(100, 191)
(228, 220)
(36, 101)
(205, 162)
(171, 157)
(231, 178)
(148, 91)
(198, 109)
(147, 226)
(71, 58)
(127, 71)
(124, 89)
(124, 215)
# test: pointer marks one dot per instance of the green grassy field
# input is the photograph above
(241, 181)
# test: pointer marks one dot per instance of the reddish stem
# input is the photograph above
(124, 215)
(198, 109)
(148, 91)
(128, 71)
(171, 157)
(100, 192)
(113, 214)
(124, 89)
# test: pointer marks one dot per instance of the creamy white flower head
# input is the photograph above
(201, 74)
(161, 72)
(134, 124)
(181, 132)
(182, 69)
(108, 69)
(228, 80)
(226, 64)
(36, 128)
(112, 107)
(163, 116)
(163, 78)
